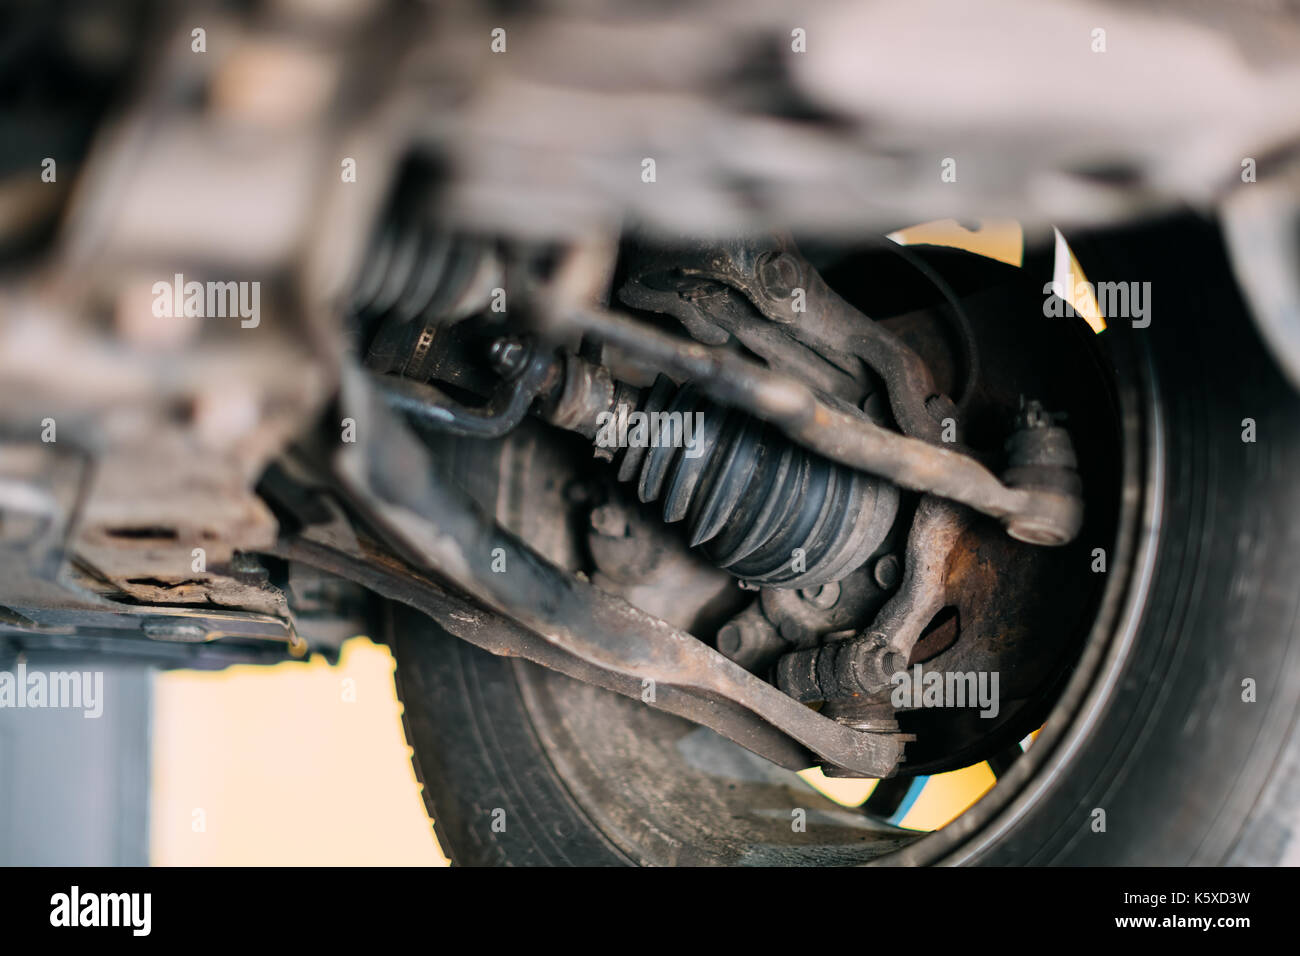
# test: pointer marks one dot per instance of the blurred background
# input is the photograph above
(294, 764)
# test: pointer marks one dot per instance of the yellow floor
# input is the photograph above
(297, 764)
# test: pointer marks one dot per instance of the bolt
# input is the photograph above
(730, 640)
(1033, 415)
(852, 667)
(242, 562)
(886, 571)
(508, 357)
(748, 641)
(778, 274)
(823, 597)
(610, 521)
(577, 492)
(1032, 530)
(1041, 459)
(168, 630)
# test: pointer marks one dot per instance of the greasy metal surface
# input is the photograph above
(786, 289)
(924, 589)
(51, 599)
(391, 482)
(862, 665)
(803, 622)
(840, 433)
(503, 411)
(712, 311)
(675, 689)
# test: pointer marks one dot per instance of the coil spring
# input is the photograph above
(415, 277)
(412, 270)
(756, 504)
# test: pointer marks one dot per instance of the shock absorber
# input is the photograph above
(754, 503)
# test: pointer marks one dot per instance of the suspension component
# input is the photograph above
(755, 504)
(1041, 513)
(1040, 457)
(860, 666)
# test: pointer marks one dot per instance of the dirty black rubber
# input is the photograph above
(489, 788)
(1185, 770)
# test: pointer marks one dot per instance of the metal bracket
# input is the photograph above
(425, 538)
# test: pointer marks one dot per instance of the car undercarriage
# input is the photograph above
(618, 355)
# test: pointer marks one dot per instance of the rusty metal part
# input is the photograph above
(1039, 455)
(712, 312)
(750, 640)
(392, 484)
(765, 722)
(757, 505)
(638, 558)
(53, 599)
(765, 510)
(786, 289)
(862, 665)
(173, 440)
(502, 412)
(586, 390)
(841, 434)
(197, 615)
(803, 621)
(150, 580)
(62, 613)
(921, 595)
(870, 715)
